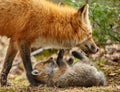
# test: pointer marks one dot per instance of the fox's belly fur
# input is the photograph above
(40, 25)
(53, 43)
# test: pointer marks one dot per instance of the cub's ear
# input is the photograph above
(83, 12)
(36, 72)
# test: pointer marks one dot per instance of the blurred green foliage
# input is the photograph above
(45, 55)
(105, 19)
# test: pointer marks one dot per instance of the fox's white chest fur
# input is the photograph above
(54, 43)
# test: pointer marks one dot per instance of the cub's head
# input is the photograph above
(43, 70)
(83, 30)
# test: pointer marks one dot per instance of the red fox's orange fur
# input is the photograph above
(41, 23)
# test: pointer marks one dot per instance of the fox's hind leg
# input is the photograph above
(11, 53)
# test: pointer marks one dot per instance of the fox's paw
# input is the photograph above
(6, 84)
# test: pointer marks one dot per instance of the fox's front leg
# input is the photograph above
(11, 53)
(24, 48)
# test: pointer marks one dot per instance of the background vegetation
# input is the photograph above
(105, 19)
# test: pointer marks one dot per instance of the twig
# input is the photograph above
(39, 51)
(17, 63)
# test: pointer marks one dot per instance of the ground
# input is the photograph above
(107, 60)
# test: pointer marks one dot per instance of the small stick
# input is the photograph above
(39, 51)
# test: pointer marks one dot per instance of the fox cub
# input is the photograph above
(64, 73)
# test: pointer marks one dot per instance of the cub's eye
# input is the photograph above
(36, 72)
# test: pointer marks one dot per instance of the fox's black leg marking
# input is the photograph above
(11, 53)
(25, 54)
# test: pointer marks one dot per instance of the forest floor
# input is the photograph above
(107, 60)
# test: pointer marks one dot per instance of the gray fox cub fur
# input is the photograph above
(64, 73)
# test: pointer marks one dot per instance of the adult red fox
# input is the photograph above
(65, 74)
(39, 23)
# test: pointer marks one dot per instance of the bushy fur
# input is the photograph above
(40, 23)
(43, 23)
(65, 75)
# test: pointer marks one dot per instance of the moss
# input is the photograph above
(45, 54)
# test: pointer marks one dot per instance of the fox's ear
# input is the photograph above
(83, 12)
(36, 72)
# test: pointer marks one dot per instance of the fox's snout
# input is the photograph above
(92, 48)
(89, 47)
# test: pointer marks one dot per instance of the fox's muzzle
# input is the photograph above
(89, 47)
